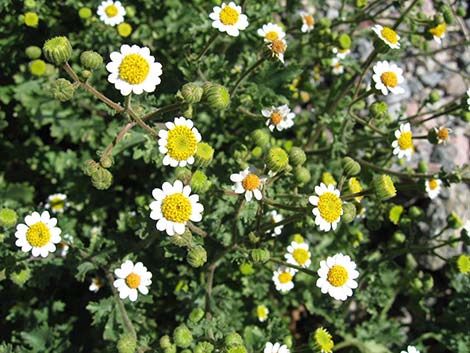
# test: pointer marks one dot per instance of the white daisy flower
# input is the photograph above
(283, 277)
(439, 32)
(279, 118)
(57, 203)
(433, 187)
(179, 142)
(276, 218)
(338, 68)
(271, 32)
(403, 145)
(328, 207)
(133, 69)
(388, 77)
(95, 285)
(262, 311)
(337, 276)
(111, 12)
(132, 278)
(388, 36)
(174, 207)
(229, 18)
(39, 234)
(278, 48)
(410, 349)
(248, 182)
(298, 254)
(308, 21)
(341, 53)
(275, 348)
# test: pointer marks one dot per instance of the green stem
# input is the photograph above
(208, 45)
(166, 109)
(246, 74)
(116, 140)
(298, 268)
(282, 206)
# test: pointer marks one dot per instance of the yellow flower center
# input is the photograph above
(439, 30)
(323, 340)
(38, 235)
(228, 16)
(278, 46)
(337, 65)
(355, 187)
(330, 207)
(301, 256)
(405, 140)
(181, 143)
(463, 263)
(443, 133)
(111, 10)
(134, 69)
(57, 203)
(271, 35)
(262, 312)
(276, 118)
(390, 35)
(133, 280)
(389, 79)
(251, 182)
(309, 20)
(177, 208)
(285, 277)
(433, 184)
(337, 276)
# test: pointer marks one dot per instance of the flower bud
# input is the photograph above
(350, 167)
(463, 263)
(62, 89)
(277, 159)
(182, 240)
(204, 347)
(447, 14)
(192, 92)
(328, 179)
(361, 3)
(101, 178)
(253, 238)
(256, 152)
(170, 349)
(422, 166)
(297, 156)
(91, 60)
(204, 155)
(344, 41)
(428, 281)
(106, 161)
(399, 237)
(196, 315)
(57, 50)
(461, 11)
(182, 336)
(246, 269)
(184, 174)
(298, 238)
(349, 212)
(260, 255)
(454, 221)
(124, 29)
(21, 277)
(89, 167)
(84, 13)
(465, 116)
(233, 339)
(302, 175)
(415, 212)
(199, 182)
(216, 96)
(33, 52)
(379, 110)
(434, 96)
(237, 349)
(37, 67)
(165, 341)
(260, 137)
(126, 343)
(31, 19)
(8, 218)
(384, 187)
(197, 256)
(30, 4)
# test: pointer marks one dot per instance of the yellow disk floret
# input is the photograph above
(337, 276)
(133, 280)
(285, 277)
(228, 16)
(38, 235)
(301, 256)
(439, 30)
(134, 69)
(330, 207)
(111, 10)
(181, 143)
(433, 184)
(176, 208)
(389, 79)
(405, 140)
(276, 118)
(390, 35)
(271, 35)
(251, 182)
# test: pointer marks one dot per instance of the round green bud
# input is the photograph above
(447, 14)
(216, 96)
(260, 255)
(416, 283)
(184, 174)
(91, 60)
(246, 269)
(344, 41)
(197, 256)
(107, 161)
(101, 178)
(124, 29)
(8, 218)
(37, 67)
(297, 156)
(384, 187)
(29, 4)
(434, 96)
(379, 110)
(399, 237)
(461, 11)
(324, 22)
(328, 179)
(257, 152)
(288, 341)
(237, 349)
(33, 52)
(21, 277)
(31, 19)
(465, 116)
(182, 336)
(415, 212)
(428, 281)
(253, 238)
(422, 166)
(233, 339)
(361, 3)
(433, 137)
(62, 89)
(196, 315)
(298, 238)
(50, 70)
(84, 13)
(182, 240)
(260, 137)
(277, 159)
(170, 349)
(192, 92)
(422, 16)
(302, 175)
(85, 75)
(165, 341)
(90, 166)
(350, 167)
(204, 155)
(204, 347)
(454, 221)
(57, 50)
(349, 212)
(199, 182)
(126, 343)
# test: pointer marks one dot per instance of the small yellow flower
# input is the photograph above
(463, 263)
(124, 29)
(31, 19)
(323, 340)
(438, 32)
